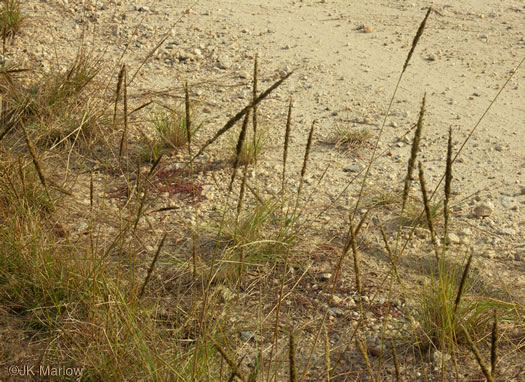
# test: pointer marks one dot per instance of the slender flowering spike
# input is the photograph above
(291, 356)
(241, 114)
(238, 148)
(286, 142)
(416, 39)
(448, 179)
(494, 345)
(255, 83)
(413, 153)
(117, 95)
(305, 161)
(188, 118)
(428, 213)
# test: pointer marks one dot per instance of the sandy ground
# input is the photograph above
(346, 57)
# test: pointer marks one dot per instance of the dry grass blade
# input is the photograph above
(478, 356)
(418, 35)
(326, 353)
(396, 363)
(413, 154)
(241, 113)
(291, 357)
(152, 265)
(361, 223)
(364, 353)
(428, 213)
(390, 253)
(230, 361)
(353, 243)
(36, 161)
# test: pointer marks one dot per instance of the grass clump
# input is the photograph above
(10, 18)
(258, 235)
(171, 128)
(350, 137)
(57, 107)
(171, 132)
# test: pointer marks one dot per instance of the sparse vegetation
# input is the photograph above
(351, 137)
(10, 19)
(101, 273)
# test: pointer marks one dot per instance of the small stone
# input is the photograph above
(224, 62)
(509, 203)
(325, 276)
(466, 232)
(352, 168)
(81, 227)
(490, 254)
(507, 231)
(334, 311)
(207, 192)
(438, 358)
(484, 210)
(431, 57)
(246, 335)
(453, 238)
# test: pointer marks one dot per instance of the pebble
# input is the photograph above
(438, 358)
(483, 210)
(224, 62)
(334, 311)
(246, 335)
(452, 238)
(325, 276)
(507, 231)
(490, 254)
(352, 168)
(509, 203)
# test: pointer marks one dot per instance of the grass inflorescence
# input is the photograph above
(132, 286)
